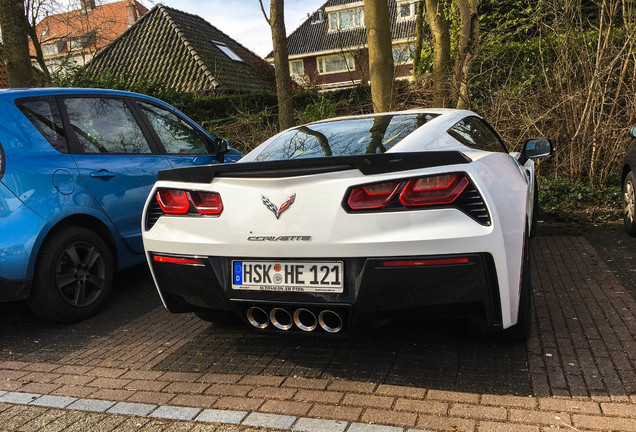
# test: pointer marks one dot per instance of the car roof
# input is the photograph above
(44, 91)
(439, 111)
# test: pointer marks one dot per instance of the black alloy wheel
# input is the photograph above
(80, 274)
(73, 276)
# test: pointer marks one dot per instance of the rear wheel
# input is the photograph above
(73, 276)
(220, 317)
(535, 211)
(629, 204)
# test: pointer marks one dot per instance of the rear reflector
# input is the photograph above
(178, 260)
(425, 262)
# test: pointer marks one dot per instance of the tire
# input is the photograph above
(629, 204)
(73, 276)
(520, 332)
(219, 317)
(535, 211)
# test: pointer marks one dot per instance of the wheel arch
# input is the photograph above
(626, 170)
(82, 220)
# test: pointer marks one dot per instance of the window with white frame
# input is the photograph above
(227, 51)
(297, 67)
(407, 9)
(403, 54)
(75, 44)
(335, 63)
(346, 19)
(50, 49)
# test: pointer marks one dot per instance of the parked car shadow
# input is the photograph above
(431, 354)
(25, 338)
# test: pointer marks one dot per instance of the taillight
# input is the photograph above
(207, 203)
(433, 190)
(372, 196)
(175, 201)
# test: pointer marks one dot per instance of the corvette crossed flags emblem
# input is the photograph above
(278, 210)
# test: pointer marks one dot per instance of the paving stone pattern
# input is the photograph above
(580, 372)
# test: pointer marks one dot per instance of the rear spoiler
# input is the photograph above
(366, 164)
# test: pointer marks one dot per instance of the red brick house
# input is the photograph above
(79, 34)
(330, 47)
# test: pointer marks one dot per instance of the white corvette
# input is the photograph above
(413, 214)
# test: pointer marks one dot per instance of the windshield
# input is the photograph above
(344, 137)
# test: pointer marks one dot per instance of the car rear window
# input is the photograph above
(45, 116)
(348, 137)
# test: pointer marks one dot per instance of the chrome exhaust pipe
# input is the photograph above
(330, 321)
(257, 317)
(305, 319)
(281, 319)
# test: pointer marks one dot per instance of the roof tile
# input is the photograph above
(177, 48)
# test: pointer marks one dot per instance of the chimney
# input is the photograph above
(88, 5)
(131, 11)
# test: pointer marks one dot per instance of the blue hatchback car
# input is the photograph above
(76, 166)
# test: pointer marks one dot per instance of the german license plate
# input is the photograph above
(288, 276)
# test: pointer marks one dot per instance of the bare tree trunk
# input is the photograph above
(436, 13)
(419, 37)
(16, 44)
(32, 10)
(376, 15)
(466, 51)
(276, 22)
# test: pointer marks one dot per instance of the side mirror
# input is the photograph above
(221, 146)
(538, 148)
(632, 132)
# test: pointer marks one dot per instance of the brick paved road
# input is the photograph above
(579, 367)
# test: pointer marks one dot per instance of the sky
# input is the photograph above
(242, 19)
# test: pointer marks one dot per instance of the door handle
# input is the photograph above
(103, 174)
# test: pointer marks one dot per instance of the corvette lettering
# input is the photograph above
(279, 238)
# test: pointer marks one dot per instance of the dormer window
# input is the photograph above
(407, 9)
(227, 51)
(346, 19)
(50, 49)
(75, 44)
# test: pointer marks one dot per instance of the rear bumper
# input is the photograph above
(11, 290)
(371, 290)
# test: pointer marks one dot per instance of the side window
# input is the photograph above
(105, 125)
(45, 116)
(474, 133)
(176, 135)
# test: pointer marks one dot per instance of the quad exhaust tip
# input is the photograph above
(304, 319)
(281, 319)
(257, 317)
(330, 321)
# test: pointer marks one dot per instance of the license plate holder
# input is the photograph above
(288, 276)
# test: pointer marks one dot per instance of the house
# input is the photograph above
(185, 53)
(330, 48)
(78, 35)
